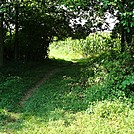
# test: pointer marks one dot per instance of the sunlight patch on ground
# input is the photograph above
(67, 122)
(67, 56)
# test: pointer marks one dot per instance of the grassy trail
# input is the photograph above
(63, 104)
(31, 90)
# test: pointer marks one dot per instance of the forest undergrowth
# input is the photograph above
(92, 95)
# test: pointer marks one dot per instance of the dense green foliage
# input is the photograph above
(28, 27)
(29, 32)
(93, 44)
(93, 95)
(96, 97)
(96, 12)
(124, 13)
(93, 92)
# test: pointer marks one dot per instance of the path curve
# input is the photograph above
(31, 90)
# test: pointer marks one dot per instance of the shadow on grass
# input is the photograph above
(58, 98)
(17, 79)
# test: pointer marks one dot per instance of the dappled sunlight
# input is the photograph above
(63, 105)
(103, 117)
(11, 121)
(60, 75)
(93, 95)
(76, 50)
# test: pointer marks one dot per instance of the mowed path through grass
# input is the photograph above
(38, 101)
(61, 104)
(29, 93)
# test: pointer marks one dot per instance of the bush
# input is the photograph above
(95, 43)
(109, 78)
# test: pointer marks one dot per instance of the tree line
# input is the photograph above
(28, 26)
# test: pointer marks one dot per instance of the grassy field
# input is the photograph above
(88, 96)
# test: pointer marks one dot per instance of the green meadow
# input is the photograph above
(85, 87)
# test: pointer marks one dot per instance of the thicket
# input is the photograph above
(104, 89)
(110, 76)
(27, 27)
(95, 97)
(95, 43)
(96, 12)
(108, 72)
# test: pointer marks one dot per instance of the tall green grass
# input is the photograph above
(92, 98)
(95, 43)
(67, 104)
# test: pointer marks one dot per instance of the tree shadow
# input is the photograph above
(12, 93)
(61, 96)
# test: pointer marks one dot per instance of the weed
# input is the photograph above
(92, 96)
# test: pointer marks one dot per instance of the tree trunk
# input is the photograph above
(16, 33)
(1, 39)
(122, 40)
(122, 30)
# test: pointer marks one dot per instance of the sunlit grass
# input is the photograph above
(70, 49)
(63, 53)
(66, 122)
(62, 106)
(81, 98)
